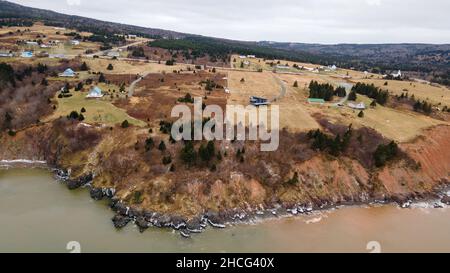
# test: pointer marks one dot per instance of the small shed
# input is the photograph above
(316, 101)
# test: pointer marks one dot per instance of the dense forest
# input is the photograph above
(199, 46)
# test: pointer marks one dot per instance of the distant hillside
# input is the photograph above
(10, 10)
(418, 58)
(426, 61)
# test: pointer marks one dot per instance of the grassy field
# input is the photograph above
(422, 91)
(293, 109)
(100, 111)
(395, 124)
(130, 67)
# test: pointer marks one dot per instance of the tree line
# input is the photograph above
(371, 91)
(324, 91)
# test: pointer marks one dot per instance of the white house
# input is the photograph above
(113, 54)
(397, 75)
(75, 42)
(251, 56)
(358, 106)
(283, 66)
(242, 57)
(69, 73)
(95, 93)
(6, 54)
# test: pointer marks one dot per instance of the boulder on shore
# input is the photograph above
(446, 200)
(120, 221)
(96, 194)
(73, 184)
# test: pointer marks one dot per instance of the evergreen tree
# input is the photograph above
(162, 146)
(352, 96)
(125, 124)
(84, 67)
(188, 154)
(101, 78)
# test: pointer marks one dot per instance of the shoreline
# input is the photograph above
(143, 219)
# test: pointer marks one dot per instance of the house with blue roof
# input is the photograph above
(95, 93)
(68, 73)
(27, 54)
(258, 101)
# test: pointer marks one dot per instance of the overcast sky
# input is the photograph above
(308, 21)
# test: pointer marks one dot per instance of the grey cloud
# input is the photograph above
(310, 21)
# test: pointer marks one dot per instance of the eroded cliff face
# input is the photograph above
(431, 153)
(116, 159)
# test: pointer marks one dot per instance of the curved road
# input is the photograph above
(133, 84)
(282, 87)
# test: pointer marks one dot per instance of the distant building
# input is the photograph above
(251, 56)
(282, 66)
(75, 42)
(45, 46)
(31, 43)
(27, 54)
(358, 106)
(42, 54)
(132, 36)
(246, 62)
(95, 93)
(113, 54)
(6, 54)
(242, 57)
(316, 101)
(397, 75)
(69, 73)
(258, 101)
(57, 56)
(333, 67)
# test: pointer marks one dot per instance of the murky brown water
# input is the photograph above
(37, 214)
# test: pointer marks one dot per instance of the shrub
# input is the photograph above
(167, 160)
(125, 124)
(162, 146)
(385, 153)
(149, 144)
(188, 154)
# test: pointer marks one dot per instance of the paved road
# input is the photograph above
(100, 53)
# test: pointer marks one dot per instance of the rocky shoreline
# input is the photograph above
(186, 227)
